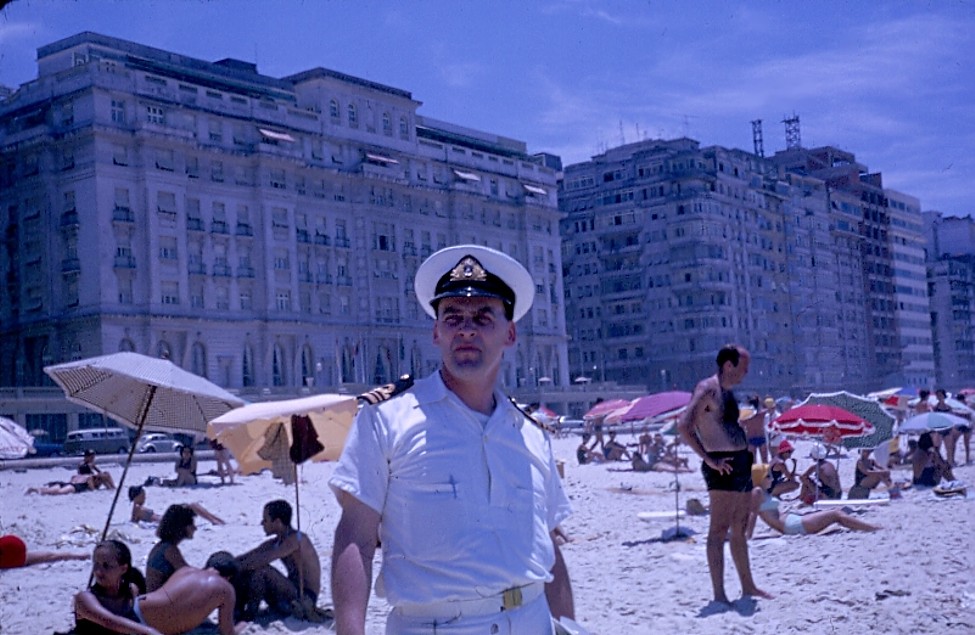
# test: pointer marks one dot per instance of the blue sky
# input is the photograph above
(893, 82)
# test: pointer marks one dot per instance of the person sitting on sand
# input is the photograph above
(821, 481)
(185, 469)
(77, 484)
(613, 450)
(284, 595)
(930, 468)
(87, 467)
(117, 601)
(165, 558)
(868, 475)
(654, 463)
(141, 513)
(585, 454)
(14, 554)
(784, 479)
(766, 507)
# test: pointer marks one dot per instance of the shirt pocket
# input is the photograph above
(432, 516)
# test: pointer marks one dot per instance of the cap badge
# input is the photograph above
(469, 270)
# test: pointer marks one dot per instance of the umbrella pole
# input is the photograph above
(128, 461)
(301, 576)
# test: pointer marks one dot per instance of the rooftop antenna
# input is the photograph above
(757, 142)
(793, 140)
(622, 136)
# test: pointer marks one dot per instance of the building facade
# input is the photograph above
(671, 250)
(262, 232)
(951, 285)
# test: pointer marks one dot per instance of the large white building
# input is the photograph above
(263, 232)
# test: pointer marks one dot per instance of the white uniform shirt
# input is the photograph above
(467, 501)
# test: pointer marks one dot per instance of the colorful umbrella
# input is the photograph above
(651, 406)
(603, 408)
(929, 421)
(868, 409)
(831, 423)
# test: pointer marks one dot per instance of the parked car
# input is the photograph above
(44, 447)
(158, 442)
(100, 440)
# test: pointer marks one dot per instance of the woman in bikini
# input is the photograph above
(766, 507)
(784, 480)
(76, 485)
(165, 559)
(141, 513)
(117, 601)
(929, 466)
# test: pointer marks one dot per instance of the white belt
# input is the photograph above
(505, 601)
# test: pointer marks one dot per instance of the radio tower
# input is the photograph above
(757, 142)
(793, 140)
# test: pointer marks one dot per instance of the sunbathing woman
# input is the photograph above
(77, 484)
(165, 558)
(141, 513)
(766, 507)
(117, 601)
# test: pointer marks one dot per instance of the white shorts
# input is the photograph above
(534, 617)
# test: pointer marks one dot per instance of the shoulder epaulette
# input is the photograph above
(388, 391)
(530, 417)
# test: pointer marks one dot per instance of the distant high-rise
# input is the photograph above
(671, 250)
(260, 231)
(951, 281)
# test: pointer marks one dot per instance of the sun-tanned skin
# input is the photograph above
(703, 430)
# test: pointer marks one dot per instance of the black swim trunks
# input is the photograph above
(740, 477)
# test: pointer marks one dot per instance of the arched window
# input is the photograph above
(404, 128)
(333, 109)
(126, 345)
(198, 360)
(307, 365)
(353, 116)
(387, 125)
(164, 351)
(383, 372)
(247, 371)
(348, 364)
(278, 368)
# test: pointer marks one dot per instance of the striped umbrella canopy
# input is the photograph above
(15, 442)
(830, 423)
(142, 392)
(868, 409)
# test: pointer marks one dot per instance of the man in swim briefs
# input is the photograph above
(710, 427)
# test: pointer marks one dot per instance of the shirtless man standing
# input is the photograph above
(297, 554)
(710, 427)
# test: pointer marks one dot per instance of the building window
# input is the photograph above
(353, 116)
(120, 154)
(387, 125)
(404, 128)
(118, 111)
(333, 109)
(247, 367)
(165, 160)
(170, 293)
(155, 114)
(198, 360)
(283, 300)
(246, 300)
(278, 377)
(167, 248)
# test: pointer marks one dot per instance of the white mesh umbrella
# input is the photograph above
(15, 442)
(142, 392)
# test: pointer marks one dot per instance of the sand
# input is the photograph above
(913, 576)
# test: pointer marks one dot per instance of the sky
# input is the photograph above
(893, 82)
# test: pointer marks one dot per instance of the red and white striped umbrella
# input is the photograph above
(831, 423)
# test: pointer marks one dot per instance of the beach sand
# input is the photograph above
(913, 576)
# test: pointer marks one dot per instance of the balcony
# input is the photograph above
(125, 262)
(70, 265)
(322, 239)
(343, 241)
(123, 214)
(245, 229)
(245, 271)
(343, 281)
(302, 236)
(221, 270)
(197, 269)
(219, 227)
(194, 224)
(69, 218)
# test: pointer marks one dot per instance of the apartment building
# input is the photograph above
(262, 232)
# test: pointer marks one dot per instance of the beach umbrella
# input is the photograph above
(142, 392)
(603, 408)
(930, 421)
(15, 441)
(650, 406)
(868, 409)
(831, 423)
(965, 392)
(255, 433)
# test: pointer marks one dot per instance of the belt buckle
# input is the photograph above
(511, 598)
